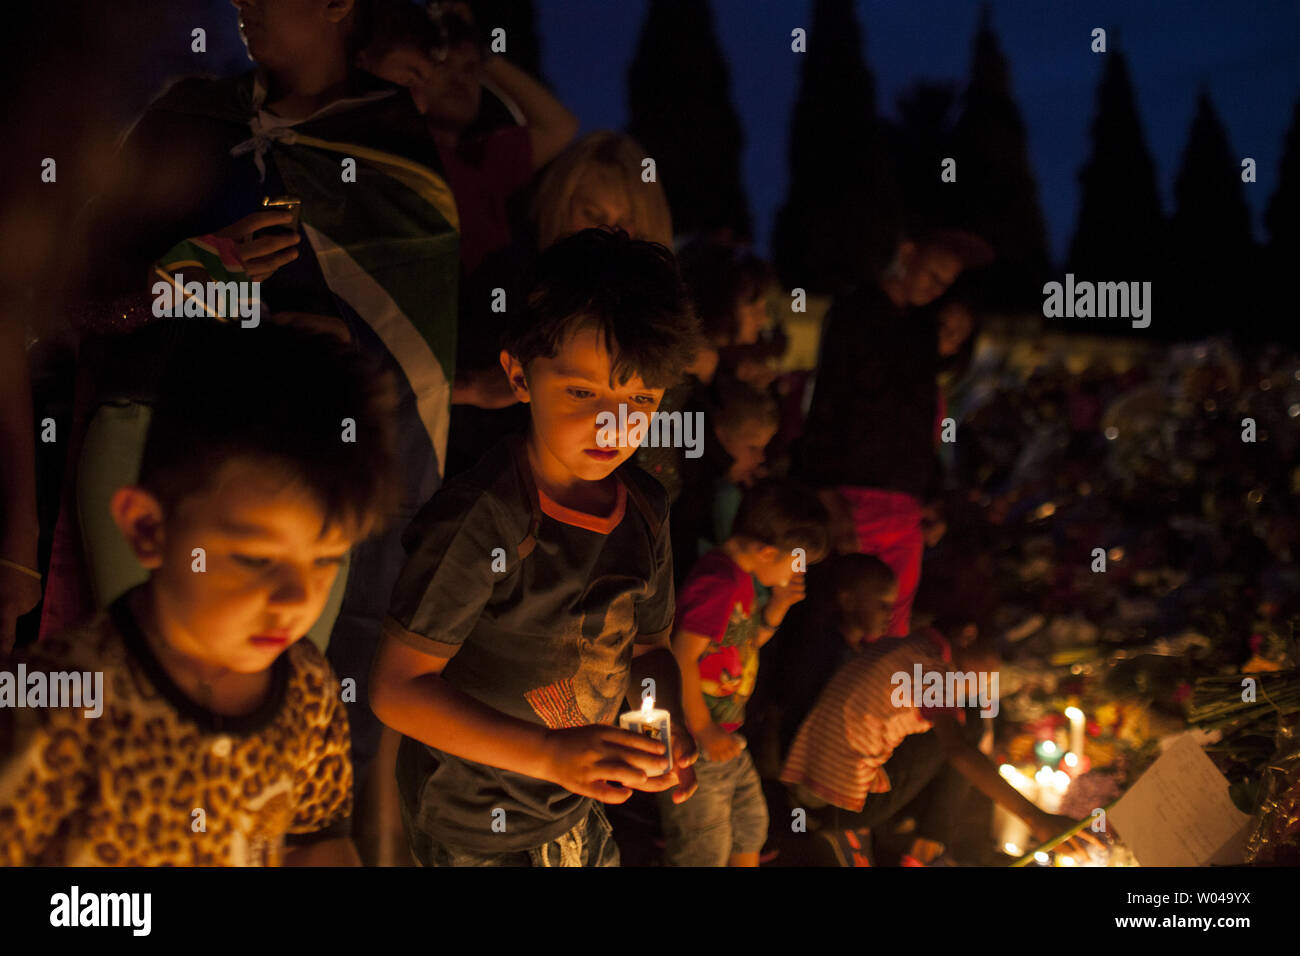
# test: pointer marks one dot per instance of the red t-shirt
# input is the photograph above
(483, 173)
(717, 601)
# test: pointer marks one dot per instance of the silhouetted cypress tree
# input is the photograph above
(679, 109)
(1210, 237)
(918, 144)
(839, 220)
(1121, 226)
(996, 194)
(1282, 219)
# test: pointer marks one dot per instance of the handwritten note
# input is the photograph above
(1179, 812)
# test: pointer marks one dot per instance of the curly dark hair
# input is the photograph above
(627, 289)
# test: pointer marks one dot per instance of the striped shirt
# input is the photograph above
(841, 747)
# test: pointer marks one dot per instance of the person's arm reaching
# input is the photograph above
(551, 127)
(979, 770)
(778, 605)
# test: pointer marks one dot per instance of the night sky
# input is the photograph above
(1246, 53)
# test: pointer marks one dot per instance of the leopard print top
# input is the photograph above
(158, 780)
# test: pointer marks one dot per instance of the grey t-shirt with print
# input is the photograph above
(546, 637)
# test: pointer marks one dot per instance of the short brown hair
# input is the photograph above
(277, 396)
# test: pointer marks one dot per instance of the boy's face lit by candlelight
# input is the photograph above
(268, 571)
(568, 393)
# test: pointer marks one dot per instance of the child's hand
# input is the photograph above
(685, 753)
(784, 598)
(604, 762)
(717, 745)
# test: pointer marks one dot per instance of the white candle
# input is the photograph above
(1049, 794)
(652, 723)
(1008, 829)
(1076, 729)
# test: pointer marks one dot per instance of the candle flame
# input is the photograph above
(1074, 713)
(647, 705)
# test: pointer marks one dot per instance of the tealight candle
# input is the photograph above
(653, 723)
(1048, 753)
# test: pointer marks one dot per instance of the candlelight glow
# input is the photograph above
(647, 705)
(1074, 713)
(1072, 760)
(1040, 857)
(1049, 747)
(1011, 849)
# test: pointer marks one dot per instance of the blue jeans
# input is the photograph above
(726, 815)
(590, 843)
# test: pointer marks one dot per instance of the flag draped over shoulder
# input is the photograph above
(384, 234)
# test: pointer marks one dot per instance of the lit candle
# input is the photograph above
(1048, 753)
(1076, 729)
(1008, 829)
(652, 723)
(1049, 792)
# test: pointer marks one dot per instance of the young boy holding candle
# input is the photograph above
(719, 629)
(222, 737)
(538, 591)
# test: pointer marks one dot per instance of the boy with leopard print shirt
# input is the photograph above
(220, 738)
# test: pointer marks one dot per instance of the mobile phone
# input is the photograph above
(291, 203)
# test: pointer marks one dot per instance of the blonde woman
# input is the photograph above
(597, 181)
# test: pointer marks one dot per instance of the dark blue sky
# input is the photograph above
(1246, 53)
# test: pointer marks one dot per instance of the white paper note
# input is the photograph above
(1179, 812)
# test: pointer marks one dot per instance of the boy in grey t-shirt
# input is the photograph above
(540, 581)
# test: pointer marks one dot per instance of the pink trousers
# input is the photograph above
(889, 526)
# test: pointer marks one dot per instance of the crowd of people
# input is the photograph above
(386, 503)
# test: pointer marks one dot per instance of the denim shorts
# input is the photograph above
(590, 843)
(725, 816)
